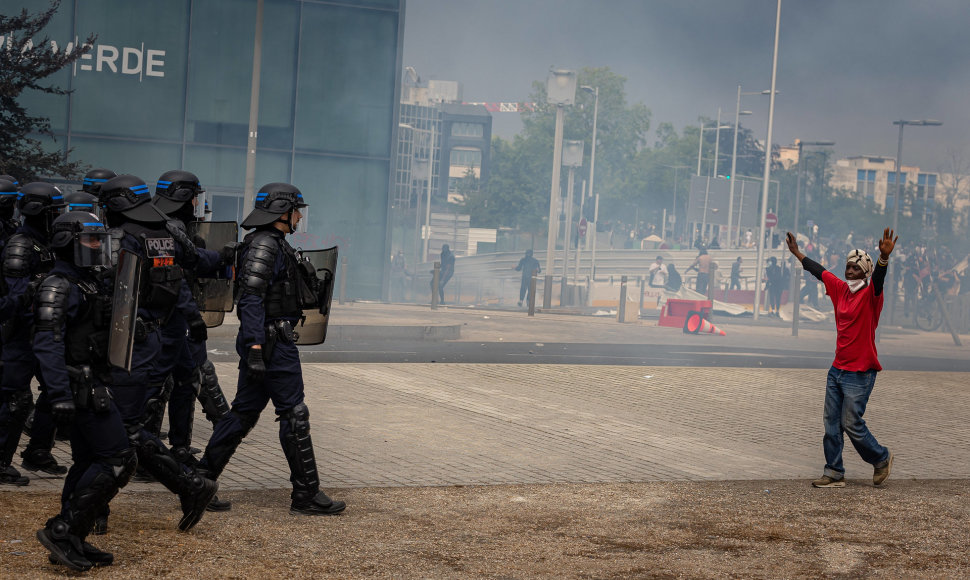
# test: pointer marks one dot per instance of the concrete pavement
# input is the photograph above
(469, 424)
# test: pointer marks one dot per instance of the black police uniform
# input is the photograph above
(25, 261)
(183, 354)
(71, 324)
(137, 227)
(269, 306)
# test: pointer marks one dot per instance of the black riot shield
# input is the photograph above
(124, 310)
(214, 295)
(323, 263)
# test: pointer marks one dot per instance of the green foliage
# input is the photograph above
(517, 194)
(23, 155)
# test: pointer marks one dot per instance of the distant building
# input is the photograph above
(873, 178)
(439, 138)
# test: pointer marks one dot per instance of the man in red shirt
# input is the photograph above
(857, 303)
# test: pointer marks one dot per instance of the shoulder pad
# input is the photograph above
(16, 256)
(50, 304)
(257, 267)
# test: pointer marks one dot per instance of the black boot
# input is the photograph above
(93, 555)
(37, 459)
(10, 476)
(65, 548)
(298, 447)
(315, 505)
(195, 498)
(218, 505)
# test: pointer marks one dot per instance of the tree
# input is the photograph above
(521, 169)
(25, 64)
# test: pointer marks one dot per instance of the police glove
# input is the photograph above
(63, 411)
(227, 255)
(255, 367)
(26, 299)
(197, 330)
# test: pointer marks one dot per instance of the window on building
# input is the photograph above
(891, 188)
(866, 183)
(926, 187)
(466, 157)
(467, 130)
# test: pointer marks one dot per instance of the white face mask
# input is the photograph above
(856, 285)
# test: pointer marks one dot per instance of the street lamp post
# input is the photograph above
(560, 91)
(707, 189)
(767, 174)
(795, 287)
(427, 212)
(673, 208)
(572, 157)
(734, 165)
(592, 173)
(899, 187)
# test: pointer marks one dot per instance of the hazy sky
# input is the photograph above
(846, 69)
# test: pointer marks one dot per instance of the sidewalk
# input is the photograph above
(561, 471)
(470, 424)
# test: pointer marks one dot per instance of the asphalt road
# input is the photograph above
(507, 352)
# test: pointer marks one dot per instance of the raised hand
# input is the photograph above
(793, 246)
(887, 243)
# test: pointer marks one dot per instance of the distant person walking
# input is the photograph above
(529, 267)
(447, 260)
(774, 282)
(736, 275)
(858, 304)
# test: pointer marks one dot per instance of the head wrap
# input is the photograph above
(860, 258)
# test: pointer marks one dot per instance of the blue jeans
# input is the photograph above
(846, 396)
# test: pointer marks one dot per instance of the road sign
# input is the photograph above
(771, 220)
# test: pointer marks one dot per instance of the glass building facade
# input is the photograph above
(167, 85)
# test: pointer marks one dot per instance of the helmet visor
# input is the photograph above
(303, 226)
(92, 249)
(199, 205)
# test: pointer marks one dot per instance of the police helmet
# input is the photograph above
(11, 179)
(94, 179)
(174, 189)
(84, 234)
(129, 196)
(81, 201)
(272, 201)
(38, 197)
(8, 193)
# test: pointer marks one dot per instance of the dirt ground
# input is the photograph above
(733, 529)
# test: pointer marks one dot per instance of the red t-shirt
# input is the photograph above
(856, 319)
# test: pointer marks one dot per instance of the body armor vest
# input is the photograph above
(161, 277)
(286, 295)
(86, 342)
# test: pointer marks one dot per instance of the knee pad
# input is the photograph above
(298, 419)
(123, 466)
(20, 404)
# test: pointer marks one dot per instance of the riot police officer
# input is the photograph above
(270, 280)
(137, 227)
(71, 326)
(178, 195)
(26, 260)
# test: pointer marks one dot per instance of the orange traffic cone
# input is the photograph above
(695, 323)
